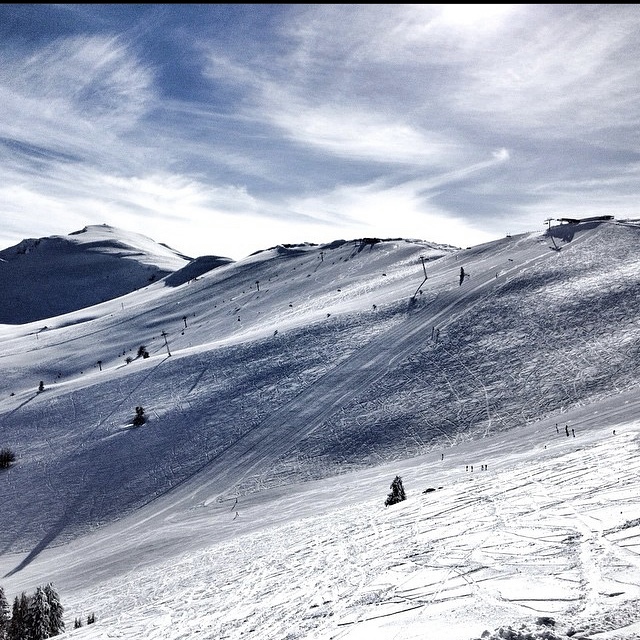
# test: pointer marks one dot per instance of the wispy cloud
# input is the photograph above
(361, 135)
(303, 120)
(407, 209)
(566, 75)
(75, 95)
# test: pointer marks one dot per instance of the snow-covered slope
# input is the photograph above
(284, 391)
(97, 263)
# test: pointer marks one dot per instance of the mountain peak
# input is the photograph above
(50, 276)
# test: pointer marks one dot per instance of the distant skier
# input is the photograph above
(462, 274)
(566, 428)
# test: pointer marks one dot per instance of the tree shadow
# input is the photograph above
(23, 404)
(52, 534)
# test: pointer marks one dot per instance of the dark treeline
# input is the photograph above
(36, 617)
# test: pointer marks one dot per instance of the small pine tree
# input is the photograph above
(38, 616)
(19, 625)
(140, 418)
(397, 492)
(4, 615)
(13, 633)
(56, 623)
(7, 457)
(142, 352)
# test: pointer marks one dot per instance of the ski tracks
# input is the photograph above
(247, 463)
(494, 546)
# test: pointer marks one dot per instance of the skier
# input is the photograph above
(461, 275)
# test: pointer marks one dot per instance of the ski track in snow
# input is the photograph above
(523, 540)
(543, 531)
(298, 418)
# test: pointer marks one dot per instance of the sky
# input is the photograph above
(225, 129)
(251, 502)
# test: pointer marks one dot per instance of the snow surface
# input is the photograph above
(290, 390)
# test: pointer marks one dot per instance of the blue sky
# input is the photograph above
(225, 129)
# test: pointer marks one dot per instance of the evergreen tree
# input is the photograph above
(142, 352)
(12, 632)
(4, 615)
(397, 492)
(7, 458)
(56, 623)
(140, 419)
(38, 617)
(19, 625)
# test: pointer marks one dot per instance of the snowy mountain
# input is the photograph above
(96, 264)
(285, 391)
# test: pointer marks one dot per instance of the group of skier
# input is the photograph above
(566, 430)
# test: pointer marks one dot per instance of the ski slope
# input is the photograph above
(299, 383)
